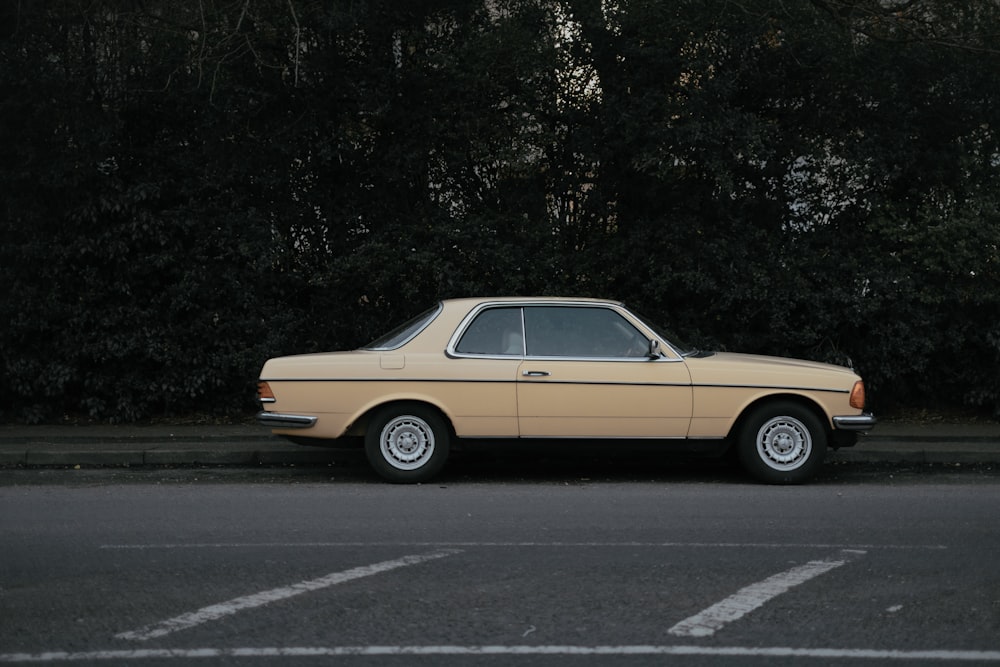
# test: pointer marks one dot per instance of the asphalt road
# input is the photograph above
(523, 566)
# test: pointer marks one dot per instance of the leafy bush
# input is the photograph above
(185, 198)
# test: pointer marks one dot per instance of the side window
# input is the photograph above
(573, 331)
(495, 331)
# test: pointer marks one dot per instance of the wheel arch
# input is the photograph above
(359, 427)
(803, 401)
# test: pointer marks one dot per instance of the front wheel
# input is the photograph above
(407, 443)
(782, 443)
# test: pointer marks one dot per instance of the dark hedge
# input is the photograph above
(190, 189)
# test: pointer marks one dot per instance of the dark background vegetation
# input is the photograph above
(191, 187)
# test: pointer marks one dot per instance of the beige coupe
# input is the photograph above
(538, 368)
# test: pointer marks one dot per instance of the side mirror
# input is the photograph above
(654, 349)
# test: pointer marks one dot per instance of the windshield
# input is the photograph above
(668, 337)
(405, 332)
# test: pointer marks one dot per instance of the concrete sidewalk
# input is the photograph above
(250, 445)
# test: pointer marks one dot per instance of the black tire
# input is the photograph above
(782, 443)
(407, 443)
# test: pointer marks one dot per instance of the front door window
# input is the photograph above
(585, 333)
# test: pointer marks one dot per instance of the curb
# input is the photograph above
(162, 457)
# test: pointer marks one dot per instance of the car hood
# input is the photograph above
(751, 369)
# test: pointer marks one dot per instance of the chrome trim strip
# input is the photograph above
(549, 380)
(281, 420)
(862, 422)
(536, 379)
(771, 386)
(518, 357)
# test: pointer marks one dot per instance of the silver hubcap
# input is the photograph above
(784, 443)
(407, 442)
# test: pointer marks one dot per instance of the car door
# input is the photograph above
(587, 373)
(482, 394)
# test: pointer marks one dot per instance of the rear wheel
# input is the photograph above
(407, 443)
(782, 443)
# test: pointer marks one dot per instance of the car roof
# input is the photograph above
(470, 301)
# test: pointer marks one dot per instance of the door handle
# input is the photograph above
(535, 374)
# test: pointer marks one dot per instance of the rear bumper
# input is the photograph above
(281, 420)
(864, 422)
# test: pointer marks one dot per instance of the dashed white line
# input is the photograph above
(469, 545)
(702, 624)
(217, 611)
(444, 651)
(745, 600)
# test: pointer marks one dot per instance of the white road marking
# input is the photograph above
(745, 600)
(470, 545)
(341, 651)
(217, 611)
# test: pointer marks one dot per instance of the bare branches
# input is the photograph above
(950, 25)
(298, 40)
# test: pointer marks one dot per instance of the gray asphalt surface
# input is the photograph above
(870, 570)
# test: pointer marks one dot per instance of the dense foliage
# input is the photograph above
(189, 188)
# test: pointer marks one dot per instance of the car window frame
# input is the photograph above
(668, 351)
(575, 326)
(467, 323)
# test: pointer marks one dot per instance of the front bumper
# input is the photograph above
(863, 422)
(281, 420)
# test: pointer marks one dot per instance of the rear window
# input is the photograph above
(405, 332)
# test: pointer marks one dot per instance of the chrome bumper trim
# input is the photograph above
(279, 420)
(863, 422)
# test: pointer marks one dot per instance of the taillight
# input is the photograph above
(264, 393)
(858, 395)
